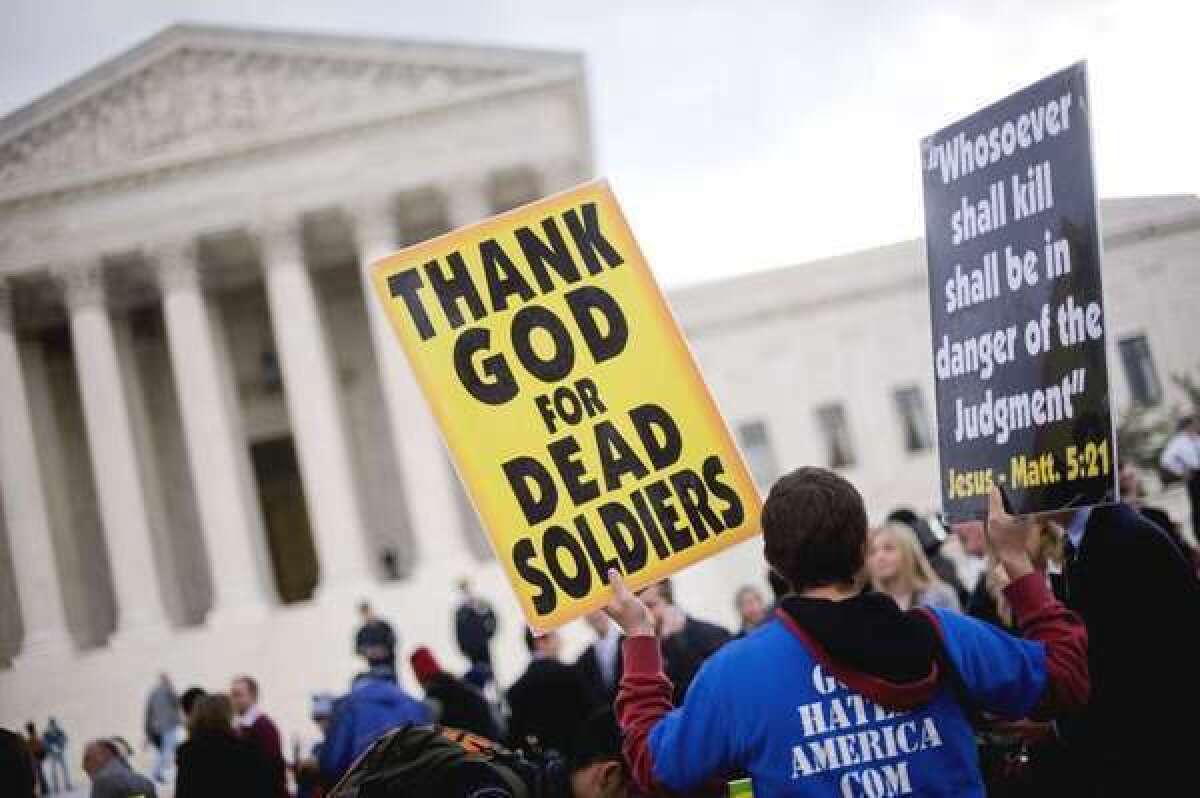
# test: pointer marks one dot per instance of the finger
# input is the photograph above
(996, 504)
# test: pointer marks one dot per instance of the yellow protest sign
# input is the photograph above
(570, 402)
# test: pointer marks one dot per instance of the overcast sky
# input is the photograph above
(746, 134)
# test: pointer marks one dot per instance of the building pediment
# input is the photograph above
(193, 92)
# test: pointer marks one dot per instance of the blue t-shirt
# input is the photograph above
(765, 705)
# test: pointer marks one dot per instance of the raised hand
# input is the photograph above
(627, 610)
(1008, 537)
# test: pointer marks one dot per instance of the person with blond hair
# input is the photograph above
(899, 568)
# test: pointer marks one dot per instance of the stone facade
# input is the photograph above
(210, 445)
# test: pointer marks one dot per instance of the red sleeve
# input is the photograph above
(1041, 617)
(643, 698)
(268, 732)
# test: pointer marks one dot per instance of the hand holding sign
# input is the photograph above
(1009, 536)
(627, 610)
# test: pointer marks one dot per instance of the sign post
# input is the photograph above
(569, 400)
(1016, 303)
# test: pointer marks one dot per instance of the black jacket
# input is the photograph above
(548, 702)
(461, 706)
(1140, 601)
(224, 765)
(686, 650)
(588, 665)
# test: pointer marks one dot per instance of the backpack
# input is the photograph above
(413, 762)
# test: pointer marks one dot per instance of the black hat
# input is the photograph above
(598, 740)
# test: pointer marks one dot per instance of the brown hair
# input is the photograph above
(212, 714)
(814, 528)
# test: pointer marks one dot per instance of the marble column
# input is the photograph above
(124, 510)
(414, 433)
(43, 613)
(217, 453)
(311, 384)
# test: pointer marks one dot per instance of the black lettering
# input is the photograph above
(559, 365)
(734, 513)
(523, 554)
(694, 499)
(589, 394)
(556, 540)
(668, 517)
(649, 525)
(572, 470)
(405, 285)
(501, 387)
(457, 287)
(631, 550)
(664, 452)
(617, 457)
(589, 239)
(593, 549)
(502, 276)
(603, 346)
(523, 470)
(538, 254)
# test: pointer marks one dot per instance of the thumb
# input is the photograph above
(621, 591)
(996, 509)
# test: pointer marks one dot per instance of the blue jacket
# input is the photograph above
(778, 706)
(372, 707)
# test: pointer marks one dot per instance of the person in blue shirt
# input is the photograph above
(374, 705)
(842, 693)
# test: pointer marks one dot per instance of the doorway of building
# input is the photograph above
(285, 514)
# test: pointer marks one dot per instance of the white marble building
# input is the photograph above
(210, 446)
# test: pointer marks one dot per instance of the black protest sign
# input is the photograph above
(1017, 306)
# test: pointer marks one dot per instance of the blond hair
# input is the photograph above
(915, 567)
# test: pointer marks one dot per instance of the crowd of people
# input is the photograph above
(1027, 656)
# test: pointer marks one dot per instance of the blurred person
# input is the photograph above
(474, 628)
(56, 754)
(375, 641)
(122, 747)
(37, 752)
(686, 641)
(374, 705)
(452, 702)
(898, 568)
(843, 693)
(162, 726)
(309, 783)
(18, 776)
(446, 763)
(1181, 459)
(187, 701)
(549, 701)
(751, 608)
(217, 761)
(972, 542)
(932, 537)
(599, 665)
(112, 775)
(1133, 494)
(257, 727)
(1128, 581)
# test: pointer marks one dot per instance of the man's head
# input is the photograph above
(96, 756)
(658, 598)
(972, 536)
(597, 769)
(243, 692)
(546, 645)
(321, 711)
(815, 529)
(365, 612)
(599, 621)
(213, 714)
(1129, 482)
(751, 606)
(187, 701)
(464, 586)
